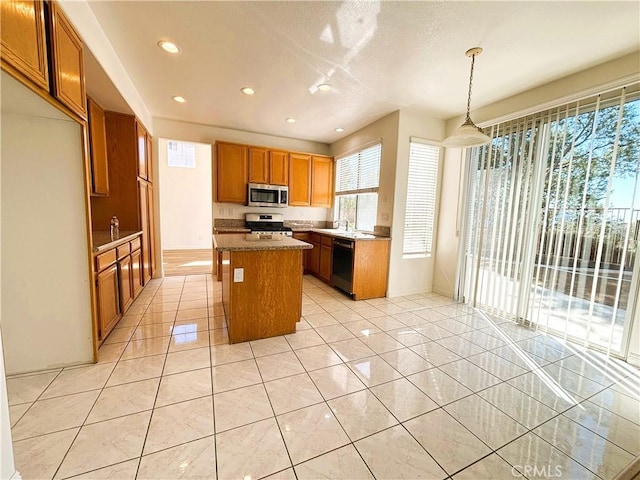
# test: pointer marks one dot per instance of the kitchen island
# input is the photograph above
(261, 284)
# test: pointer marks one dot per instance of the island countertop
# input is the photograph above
(244, 242)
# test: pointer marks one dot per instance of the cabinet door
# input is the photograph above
(136, 273)
(322, 182)
(141, 138)
(108, 305)
(124, 280)
(231, 174)
(303, 236)
(149, 175)
(98, 144)
(23, 39)
(299, 179)
(68, 62)
(278, 167)
(326, 262)
(143, 199)
(258, 165)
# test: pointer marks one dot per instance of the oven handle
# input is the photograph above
(342, 244)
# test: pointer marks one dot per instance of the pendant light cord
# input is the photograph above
(473, 59)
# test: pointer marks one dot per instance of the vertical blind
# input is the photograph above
(421, 198)
(359, 172)
(553, 220)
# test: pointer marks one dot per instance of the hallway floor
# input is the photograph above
(410, 387)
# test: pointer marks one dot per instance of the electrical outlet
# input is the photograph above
(238, 275)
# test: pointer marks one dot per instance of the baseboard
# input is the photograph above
(442, 291)
(633, 359)
(631, 471)
(16, 476)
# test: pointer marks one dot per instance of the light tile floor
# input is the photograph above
(415, 387)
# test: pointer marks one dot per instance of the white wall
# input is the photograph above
(46, 307)
(410, 275)
(185, 200)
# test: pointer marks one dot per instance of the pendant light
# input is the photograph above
(468, 134)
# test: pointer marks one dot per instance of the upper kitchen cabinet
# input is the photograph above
(299, 179)
(321, 181)
(98, 149)
(144, 151)
(258, 165)
(23, 41)
(278, 167)
(68, 66)
(231, 185)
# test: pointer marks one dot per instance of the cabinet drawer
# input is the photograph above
(123, 250)
(135, 244)
(105, 259)
(327, 240)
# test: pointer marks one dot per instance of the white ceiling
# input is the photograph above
(378, 56)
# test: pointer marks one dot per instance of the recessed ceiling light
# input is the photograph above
(179, 99)
(324, 87)
(339, 129)
(290, 120)
(169, 47)
(247, 90)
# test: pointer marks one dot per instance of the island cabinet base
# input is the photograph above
(268, 300)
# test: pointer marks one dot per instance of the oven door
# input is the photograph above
(264, 196)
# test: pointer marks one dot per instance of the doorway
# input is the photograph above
(185, 207)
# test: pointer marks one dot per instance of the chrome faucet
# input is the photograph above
(346, 224)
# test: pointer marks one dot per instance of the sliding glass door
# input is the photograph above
(553, 220)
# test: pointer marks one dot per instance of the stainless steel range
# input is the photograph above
(267, 223)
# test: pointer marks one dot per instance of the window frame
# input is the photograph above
(433, 205)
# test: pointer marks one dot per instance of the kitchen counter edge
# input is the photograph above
(102, 240)
(238, 243)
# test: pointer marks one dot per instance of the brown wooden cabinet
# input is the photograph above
(314, 254)
(326, 259)
(23, 46)
(124, 283)
(304, 236)
(98, 149)
(232, 176)
(144, 201)
(136, 272)
(130, 196)
(258, 165)
(278, 167)
(321, 181)
(67, 60)
(299, 179)
(144, 153)
(107, 300)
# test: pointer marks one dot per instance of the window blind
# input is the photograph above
(359, 172)
(421, 198)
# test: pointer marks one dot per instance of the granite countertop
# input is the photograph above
(334, 232)
(231, 230)
(249, 241)
(102, 240)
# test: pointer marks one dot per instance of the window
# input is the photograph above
(357, 180)
(421, 198)
(181, 154)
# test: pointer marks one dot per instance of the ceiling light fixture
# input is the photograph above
(468, 134)
(290, 120)
(339, 129)
(324, 87)
(179, 99)
(248, 90)
(169, 46)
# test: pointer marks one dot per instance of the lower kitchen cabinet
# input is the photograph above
(118, 282)
(108, 303)
(304, 237)
(314, 254)
(326, 259)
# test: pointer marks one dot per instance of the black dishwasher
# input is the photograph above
(343, 265)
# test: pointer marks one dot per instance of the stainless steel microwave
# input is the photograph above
(260, 195)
